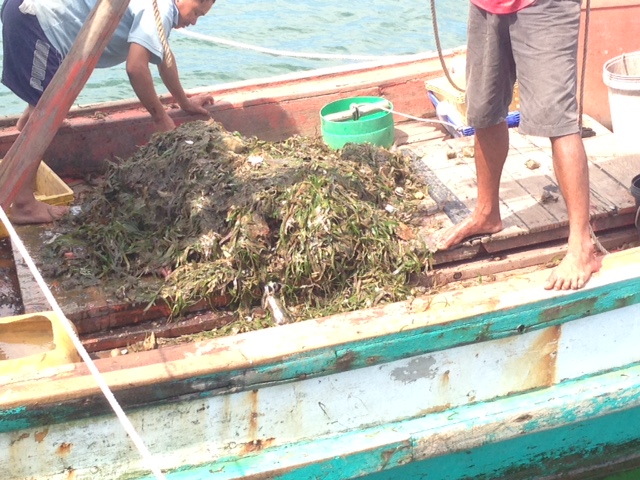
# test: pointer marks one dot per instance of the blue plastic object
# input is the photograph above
(457, 130)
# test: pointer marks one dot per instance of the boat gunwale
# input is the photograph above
(308, 78)
(319, 347)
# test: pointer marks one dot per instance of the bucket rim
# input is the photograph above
(608, 75)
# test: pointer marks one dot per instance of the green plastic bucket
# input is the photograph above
(375, 128)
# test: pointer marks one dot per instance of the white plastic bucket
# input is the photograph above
(622, 75)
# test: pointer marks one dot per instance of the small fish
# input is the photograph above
(271, 302)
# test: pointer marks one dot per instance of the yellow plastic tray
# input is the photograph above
(33, 342)
(49, 189)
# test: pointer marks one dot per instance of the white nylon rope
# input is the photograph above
(286, 53)
(420, 119)
(124, 420)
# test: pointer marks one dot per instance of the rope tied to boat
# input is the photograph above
(69, 329)
(167, 54)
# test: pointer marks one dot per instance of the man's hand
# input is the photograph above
(195, 105)
(163, 123)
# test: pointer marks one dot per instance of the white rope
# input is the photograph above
(286, 53)
(124, 420)
(425, 120)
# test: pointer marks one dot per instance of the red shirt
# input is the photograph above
(501, 7)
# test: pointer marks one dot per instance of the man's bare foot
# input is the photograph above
(456, 234)
(36, 212)
(574, 271)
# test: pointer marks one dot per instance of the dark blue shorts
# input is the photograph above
(29, 60)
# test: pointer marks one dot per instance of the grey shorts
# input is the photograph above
(538, 46)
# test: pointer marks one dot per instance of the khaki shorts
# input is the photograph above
(538, 46)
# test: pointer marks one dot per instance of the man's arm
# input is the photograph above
(142, 83)
(171, 79)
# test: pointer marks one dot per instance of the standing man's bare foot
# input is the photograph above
(575, 269)
(35, 212)
(456, 234)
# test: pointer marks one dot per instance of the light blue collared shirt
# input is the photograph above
(61, 21)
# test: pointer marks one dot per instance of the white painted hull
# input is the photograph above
(555, 375)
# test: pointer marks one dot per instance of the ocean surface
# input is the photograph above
(336, 28)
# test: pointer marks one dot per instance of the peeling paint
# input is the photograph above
(40, 436)
(64, 449)
(418, 368)
(257, 445)
(345, 362)
(21, 437)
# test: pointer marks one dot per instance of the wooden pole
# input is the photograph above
(27, 150)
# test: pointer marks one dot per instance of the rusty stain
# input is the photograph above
(435, 409)
(445, 379)
(71, 474)
(64, 449)
(575, 309)
(375, 360)
(546, 347)
(257, 445)
(40, 436)
(524, 418)
(345, 362)
(253, 417)
(21, 437)
(387, 455)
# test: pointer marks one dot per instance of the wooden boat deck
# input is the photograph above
(535, 229)
(533, 211)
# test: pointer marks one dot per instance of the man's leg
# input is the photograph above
(22, 121)
(570, 164)
(25, 209)
(491, 148)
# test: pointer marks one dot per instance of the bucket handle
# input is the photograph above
(358, 110)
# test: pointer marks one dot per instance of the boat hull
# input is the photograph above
(473, 383)
(501, 380)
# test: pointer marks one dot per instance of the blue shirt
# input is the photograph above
(61, 21)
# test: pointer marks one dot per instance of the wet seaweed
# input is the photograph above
(201, 215)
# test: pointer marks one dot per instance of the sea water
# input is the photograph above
(376, 28)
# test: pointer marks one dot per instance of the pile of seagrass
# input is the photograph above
(199, 214)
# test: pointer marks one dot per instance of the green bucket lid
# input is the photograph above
(376, 128)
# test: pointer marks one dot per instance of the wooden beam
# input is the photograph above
(27, 150)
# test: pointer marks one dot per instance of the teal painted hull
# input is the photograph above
(474, 384)
(579, 438)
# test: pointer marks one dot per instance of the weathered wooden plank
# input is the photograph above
(454, 444)
(518, 189)
(457, 181)
(166, 328)
(622, 169)
(486, 269)
(539, 182)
